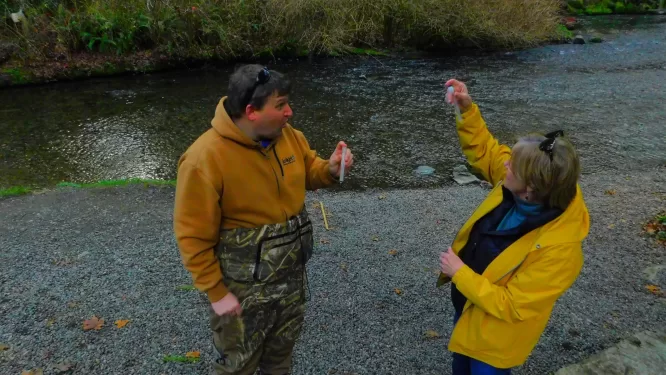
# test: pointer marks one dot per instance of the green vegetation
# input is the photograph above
(601, 7)
(232, 29)
(21, 190)
(109, 183)
(564, 33)
(16, 74)
(13, 191)
(597, 9)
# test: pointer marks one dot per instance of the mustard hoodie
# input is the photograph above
(227, 180)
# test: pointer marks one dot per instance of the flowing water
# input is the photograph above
(609, 98)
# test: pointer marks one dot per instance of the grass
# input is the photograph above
(123, 182)
(598, 9)
(14, 191)
(22, 190)
(237, 29)
(16, 74)
(564, 33)
(604, 7)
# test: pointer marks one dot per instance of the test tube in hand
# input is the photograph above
(342, 164)
(452, 99)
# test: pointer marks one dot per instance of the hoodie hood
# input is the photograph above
(226, 128)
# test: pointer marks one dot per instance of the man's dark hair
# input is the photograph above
(241, 83)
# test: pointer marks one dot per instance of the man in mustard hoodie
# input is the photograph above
(241, 224)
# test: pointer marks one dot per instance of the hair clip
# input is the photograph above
(549, 143)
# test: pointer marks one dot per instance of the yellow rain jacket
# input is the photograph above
(509, 305)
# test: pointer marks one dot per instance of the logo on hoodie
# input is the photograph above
(289, 160)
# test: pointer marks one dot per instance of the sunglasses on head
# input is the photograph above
(548, 144)
(263, 76)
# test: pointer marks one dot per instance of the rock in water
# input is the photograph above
(462, 176)
(579, 40)
(18, 16)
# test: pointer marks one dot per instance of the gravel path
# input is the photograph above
(69, 255)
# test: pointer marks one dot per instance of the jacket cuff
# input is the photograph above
(326, 177)
(463, 275)
(217, 292)
(472, 113)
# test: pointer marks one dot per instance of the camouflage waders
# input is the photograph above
(264, 268)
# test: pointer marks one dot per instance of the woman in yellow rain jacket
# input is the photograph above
(519, 251)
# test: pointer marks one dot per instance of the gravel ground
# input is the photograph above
(69, 255)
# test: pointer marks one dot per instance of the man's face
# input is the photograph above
(269, 121)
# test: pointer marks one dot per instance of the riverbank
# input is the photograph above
(59, 40)
(69, 255)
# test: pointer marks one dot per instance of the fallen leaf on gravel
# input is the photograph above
(375, 238)
(63, 368)
(430, 334)
(50, 322)
(121, 323)
(72, 304)
(62, 262)
(186, 288)
(193, 354)
(654, 289)
(610, 192)
(3, 347)
(398, 291)
(611, 226)
(325, 241)
(94, 323)
(383, 196)
(343, 266)
(393, 252)
(37, 371)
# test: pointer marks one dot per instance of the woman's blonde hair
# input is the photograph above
(552, 174)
